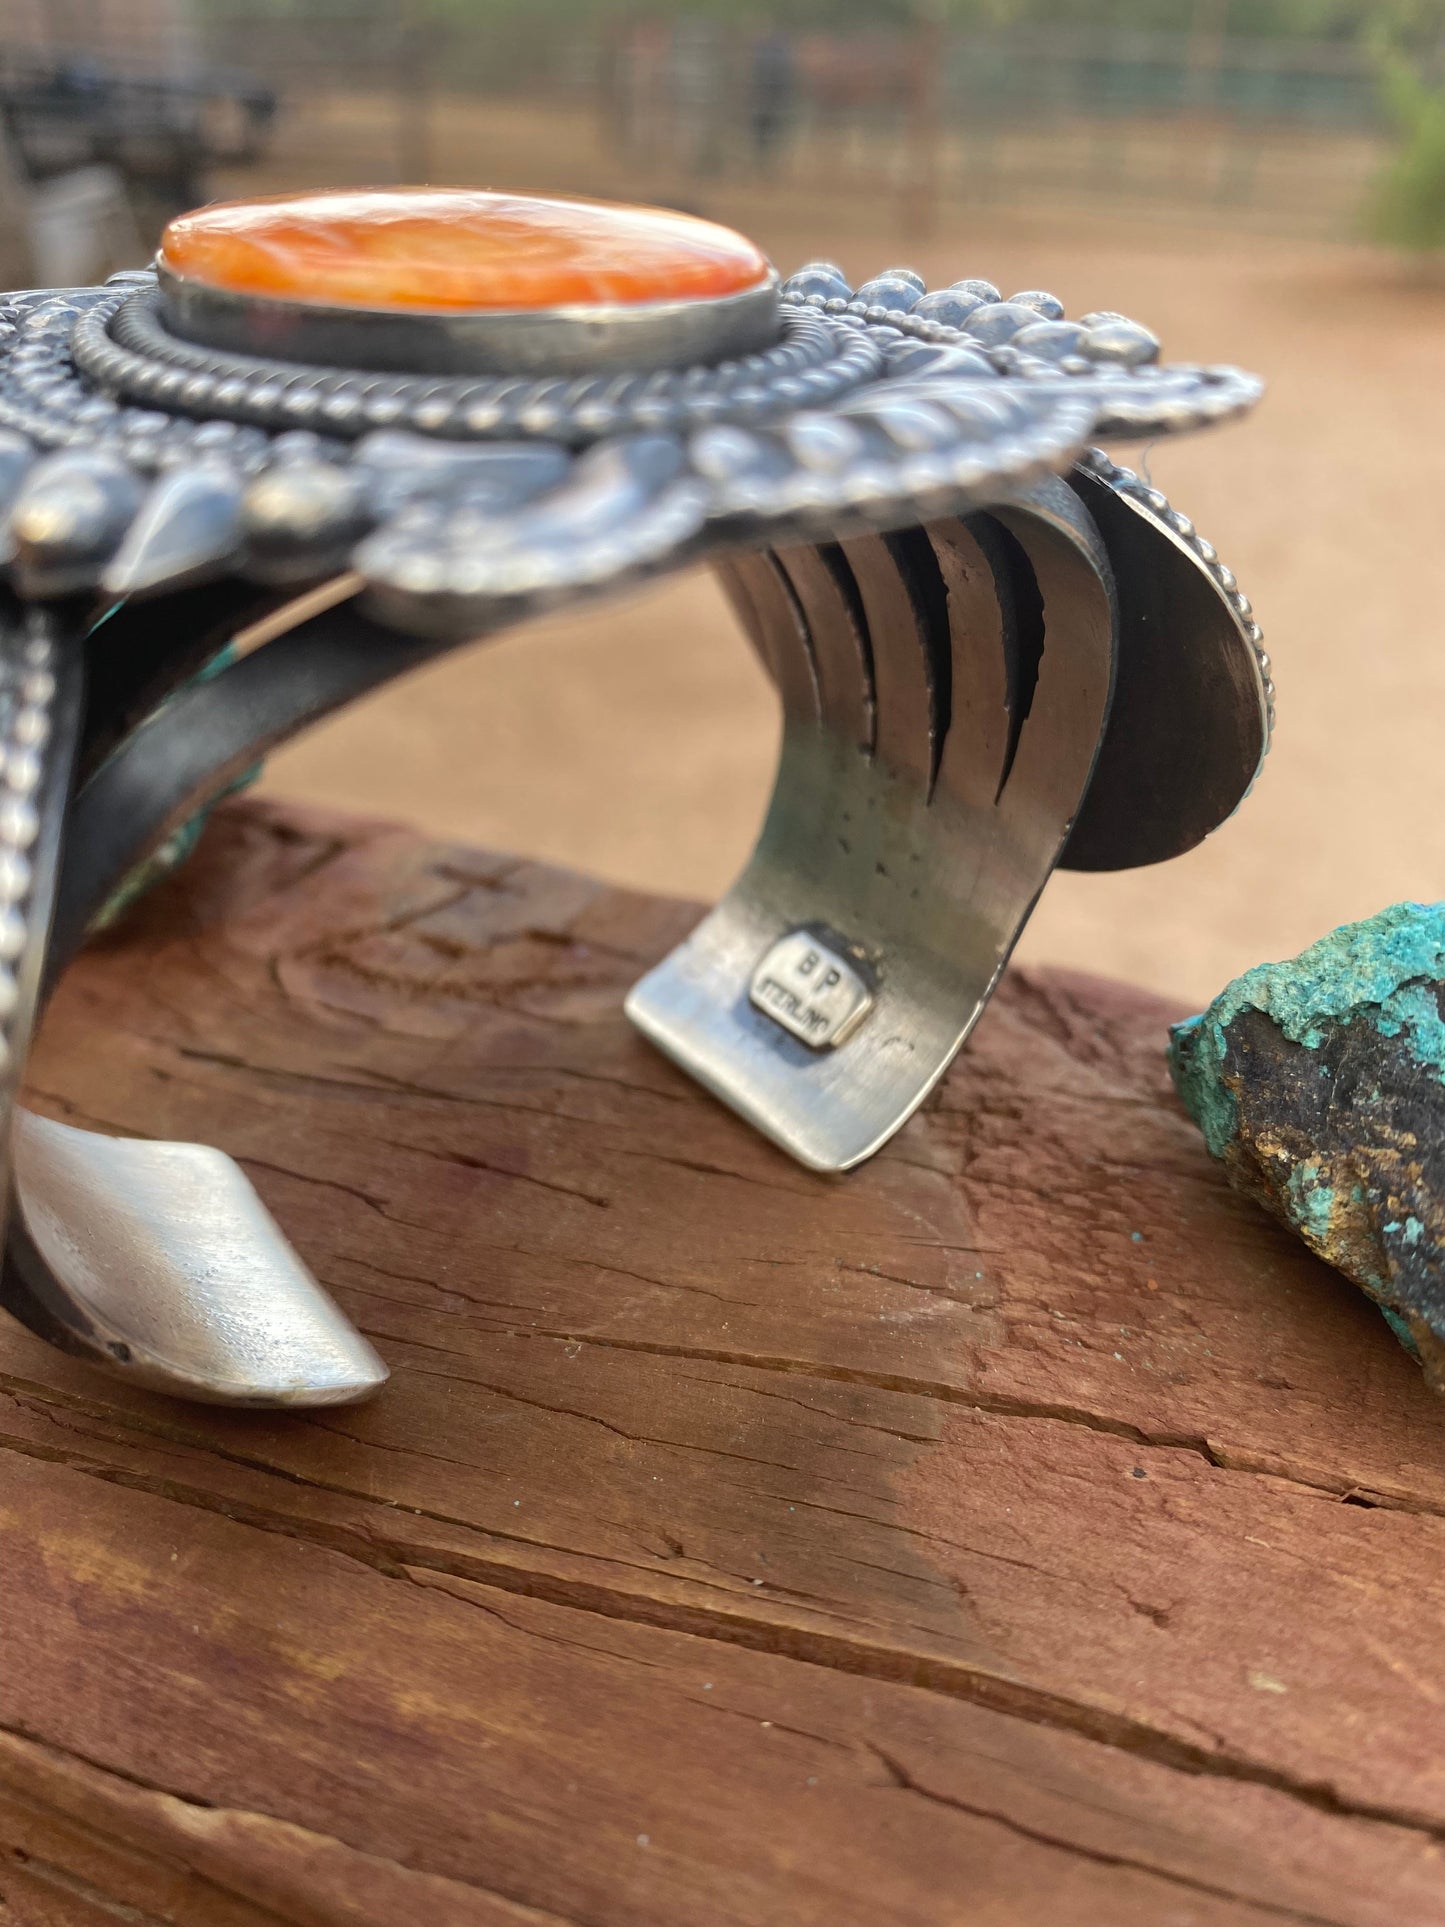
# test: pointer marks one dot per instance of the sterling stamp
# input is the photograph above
(811, 989)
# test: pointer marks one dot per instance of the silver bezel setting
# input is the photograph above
(569, 340)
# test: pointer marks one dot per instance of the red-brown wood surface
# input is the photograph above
(1021, 1530)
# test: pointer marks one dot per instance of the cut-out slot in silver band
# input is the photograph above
(924, 858)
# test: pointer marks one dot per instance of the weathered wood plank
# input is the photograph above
(1051, 1513)
(81, 1843)
(304, 1705)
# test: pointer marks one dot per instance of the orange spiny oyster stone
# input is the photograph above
(457, 249)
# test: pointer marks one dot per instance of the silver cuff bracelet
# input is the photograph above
(996, 652)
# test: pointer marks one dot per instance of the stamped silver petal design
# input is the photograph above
(930, 444)
(401, 467)
(1169, 401)
(886, 364)
(625, 507)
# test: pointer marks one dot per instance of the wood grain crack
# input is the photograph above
(46, 1873)
(853, 1653)
(163, 1815)
(901, 1778)
(467, 1162)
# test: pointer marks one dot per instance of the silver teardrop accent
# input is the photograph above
(188, 529)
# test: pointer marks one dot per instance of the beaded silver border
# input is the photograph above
(1128, 483)
(125, 349)
(28, 689)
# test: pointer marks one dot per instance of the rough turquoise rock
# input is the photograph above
(1320, 1084)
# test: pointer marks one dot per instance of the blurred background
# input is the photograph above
(1262, 181)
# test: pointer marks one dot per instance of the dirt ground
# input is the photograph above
(637, 740)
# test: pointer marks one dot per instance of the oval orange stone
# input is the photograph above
(457, 248)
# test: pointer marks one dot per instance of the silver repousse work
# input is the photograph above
(861, 418)
(996, 650)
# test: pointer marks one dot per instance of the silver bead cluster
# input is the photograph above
(1026, 335)
(972, 329)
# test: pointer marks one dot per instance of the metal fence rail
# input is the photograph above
(1154, 76)
(1278, 134)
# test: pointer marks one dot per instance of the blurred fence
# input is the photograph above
(1278, 134)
